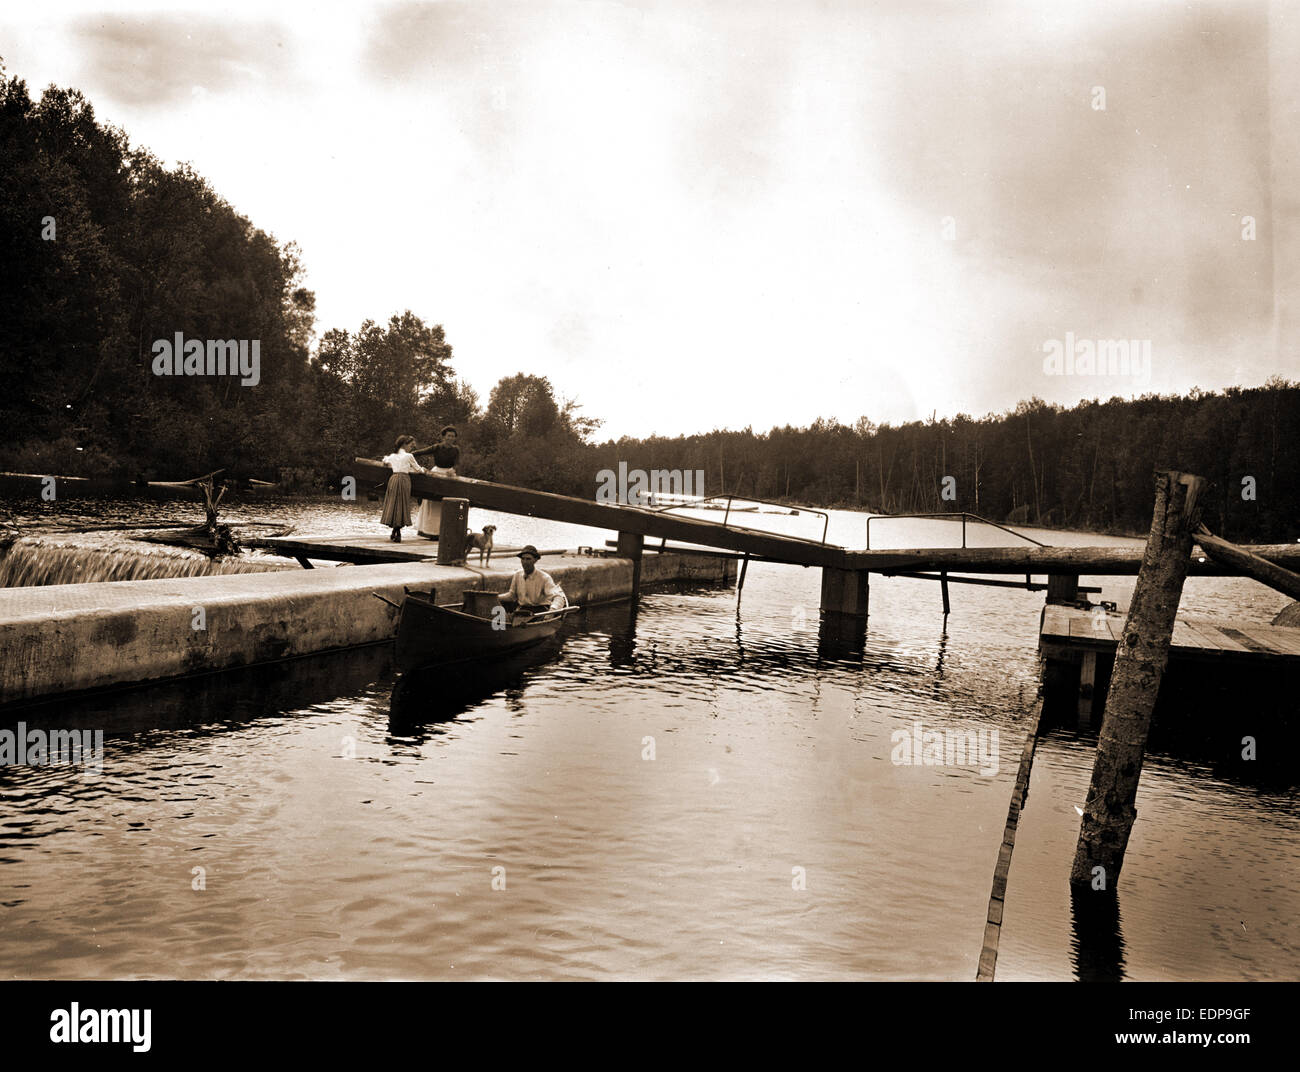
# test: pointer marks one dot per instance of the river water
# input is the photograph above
(704, 788)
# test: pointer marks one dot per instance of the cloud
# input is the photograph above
(696, 191)
(1122, 223)
(412, 42)
(157, 62)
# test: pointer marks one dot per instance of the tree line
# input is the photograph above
(104, 251)
(1089, 466)
(105, 255)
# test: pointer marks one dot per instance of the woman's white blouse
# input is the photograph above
(401, 462)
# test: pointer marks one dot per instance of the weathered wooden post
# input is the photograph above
(453, 528)
(1059, 679)
(1140, 660)
(632, 545)
(1062, 588)
(845, 591)
(1087, 689)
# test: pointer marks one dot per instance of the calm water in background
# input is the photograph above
(345, 832)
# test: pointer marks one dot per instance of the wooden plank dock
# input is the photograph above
(1069, 632)
(1078, 646)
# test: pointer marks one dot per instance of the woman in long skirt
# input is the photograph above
(428, 518)
(397, 499)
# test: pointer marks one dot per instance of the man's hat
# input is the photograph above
(529, 549)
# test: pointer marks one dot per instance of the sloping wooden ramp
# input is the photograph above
(612, 517)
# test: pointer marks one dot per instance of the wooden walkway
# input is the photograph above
(612, 517)
(775, 547)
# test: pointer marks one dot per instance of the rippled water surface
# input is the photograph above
(642, 800)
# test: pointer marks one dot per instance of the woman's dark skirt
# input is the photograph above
(397, 501)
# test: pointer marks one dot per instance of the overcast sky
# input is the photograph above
(694, 215)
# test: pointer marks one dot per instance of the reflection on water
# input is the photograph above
(651, 782)
(1096, 943)
(423, 699)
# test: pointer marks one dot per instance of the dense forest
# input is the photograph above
(1087, 467)
(104, 251)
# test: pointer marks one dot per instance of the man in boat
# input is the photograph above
(531, 590)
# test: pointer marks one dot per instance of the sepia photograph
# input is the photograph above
(650, 491)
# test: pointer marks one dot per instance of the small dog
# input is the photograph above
(483, 541)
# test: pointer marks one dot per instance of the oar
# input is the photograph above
(550, 614)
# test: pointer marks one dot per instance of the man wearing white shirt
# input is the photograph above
(532, 589)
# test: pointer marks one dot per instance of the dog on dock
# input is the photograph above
(483, 542)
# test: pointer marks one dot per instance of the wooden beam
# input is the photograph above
(992, 582)
(1140, 659)
(1048, 561)
(1242, 561)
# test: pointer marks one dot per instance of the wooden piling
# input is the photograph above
(1140, 660)
(1062, 588)
(1087, 683)
(845, 591)
(453, 528)
(632, 545)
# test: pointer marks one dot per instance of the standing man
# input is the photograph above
(445, 456)
(532, 590)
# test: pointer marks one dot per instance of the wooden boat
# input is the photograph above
(430, 633)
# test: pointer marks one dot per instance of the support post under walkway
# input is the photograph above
(845, 591)
(632, 545)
